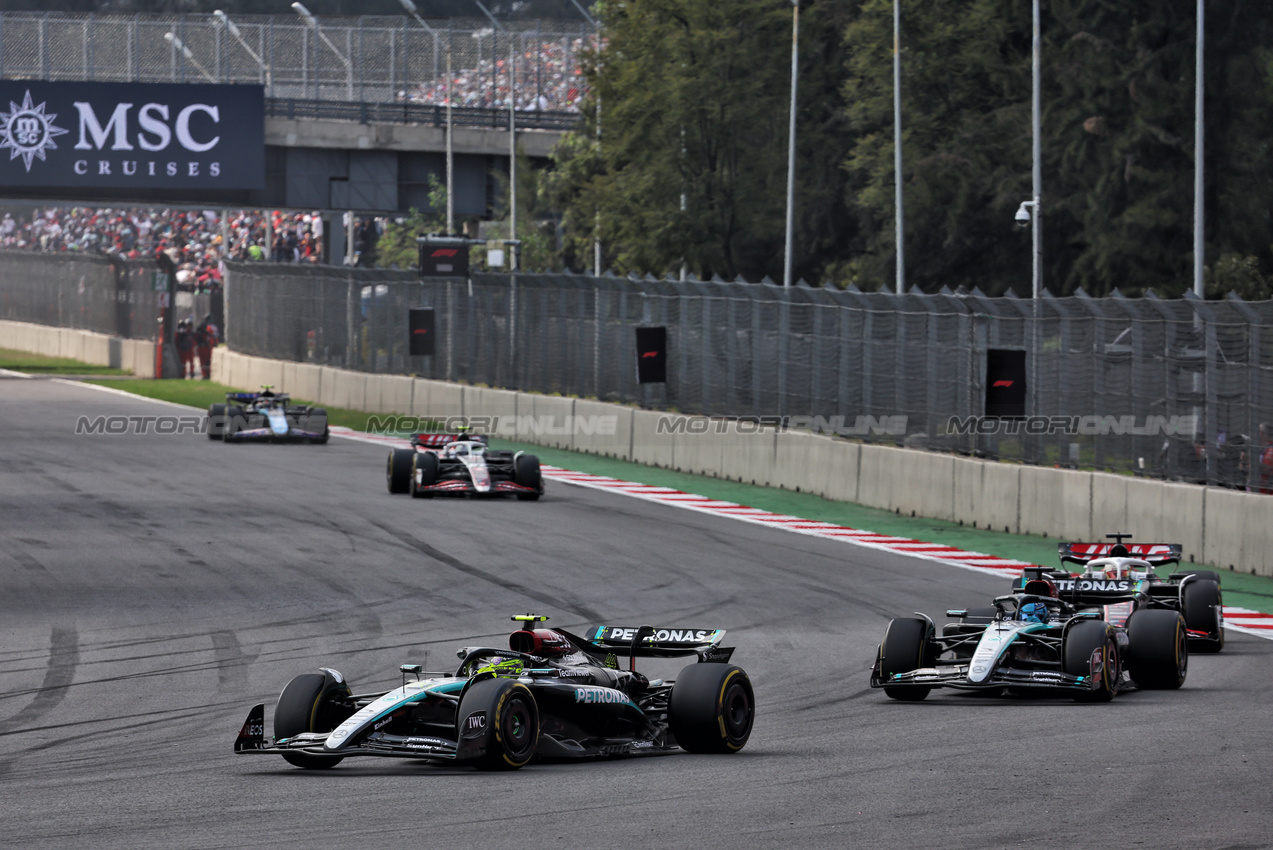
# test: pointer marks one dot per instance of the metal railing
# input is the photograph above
(1171, 389)
(372, 59)
(432, 115)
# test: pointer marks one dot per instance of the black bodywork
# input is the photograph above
(587, 706)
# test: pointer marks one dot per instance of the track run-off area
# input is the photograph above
(156, 586)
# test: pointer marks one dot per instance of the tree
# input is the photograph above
(691, 167)
(397, 244)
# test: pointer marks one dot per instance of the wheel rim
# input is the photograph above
(1112, 669)
(736, 712)
(517, 727)
(1182, 653)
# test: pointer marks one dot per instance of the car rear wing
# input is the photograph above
(662, 643)
(437, 441)
(1156, 554)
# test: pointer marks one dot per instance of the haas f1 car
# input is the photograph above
(1120, 579)
(458, 464)
(266, 417)
(1033, 640)
(551, 694)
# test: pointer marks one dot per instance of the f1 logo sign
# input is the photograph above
(1003, 383)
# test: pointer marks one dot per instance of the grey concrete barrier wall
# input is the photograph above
(1224, 528)
(137, 356)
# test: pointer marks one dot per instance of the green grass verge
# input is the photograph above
(1241, 589)
(38, 364)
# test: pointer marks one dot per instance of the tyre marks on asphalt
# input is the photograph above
(63, 660)
(562, 602)
(232, 662)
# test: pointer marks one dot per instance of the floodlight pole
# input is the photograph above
(791, 143)
(312, 23)
(1199, 145)
(224, 19)
(512, 132)
(899, 284)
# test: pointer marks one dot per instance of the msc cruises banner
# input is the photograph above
(131, 135)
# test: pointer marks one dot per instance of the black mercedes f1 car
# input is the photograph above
(1119, 578)
(266, 417)
(551, 694)
(462, 464)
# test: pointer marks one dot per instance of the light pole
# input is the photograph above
(1199, 142)
(514, 259)
(596, 239)
(185, 51)
(791, 143)
(899, 284)
(450, 148)
(222, 19)
(410, 7)
(1036, 209)
(312, 23)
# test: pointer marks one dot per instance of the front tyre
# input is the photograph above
(1157, 649)
(711, 709)
(216, 421)
(398, 471)
(1082, 640)
(312, 702)
(526, 473)
(501, 715)
(905, 648)
(1203, 610)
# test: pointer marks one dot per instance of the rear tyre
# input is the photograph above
(234, 422)
(1157, 649)
(398, 470)
(711, 709)
(216, 421)
(1209, 575)
(905, 648)
(1203, 608)
(526, 473)
(424, 473)
(510, 722)
(312, 702)
(320, 414)
(1083, 639)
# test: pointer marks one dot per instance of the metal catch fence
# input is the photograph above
(88, 292)
(370, 59)
(1173, 389)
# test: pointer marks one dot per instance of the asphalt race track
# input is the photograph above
(155, 587)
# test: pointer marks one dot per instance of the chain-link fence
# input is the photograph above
(87, 292)
(1173, 389)
(371, 59)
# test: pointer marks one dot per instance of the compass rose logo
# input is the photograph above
(27, 131)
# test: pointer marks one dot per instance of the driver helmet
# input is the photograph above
(1033, 612)
(1115, 570)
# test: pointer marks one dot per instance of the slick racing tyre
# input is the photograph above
(312, 702)
(905, 648)
(234, 422)
(1202, 607)
(711, 709)
(316, 415)
(503, 715)
(398, 471)
(424, 473)
(1081, 640)
(526, 473)
(1157, 648)
(216, 421)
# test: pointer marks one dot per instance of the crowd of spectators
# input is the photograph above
(192, 239)
(548, 79)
